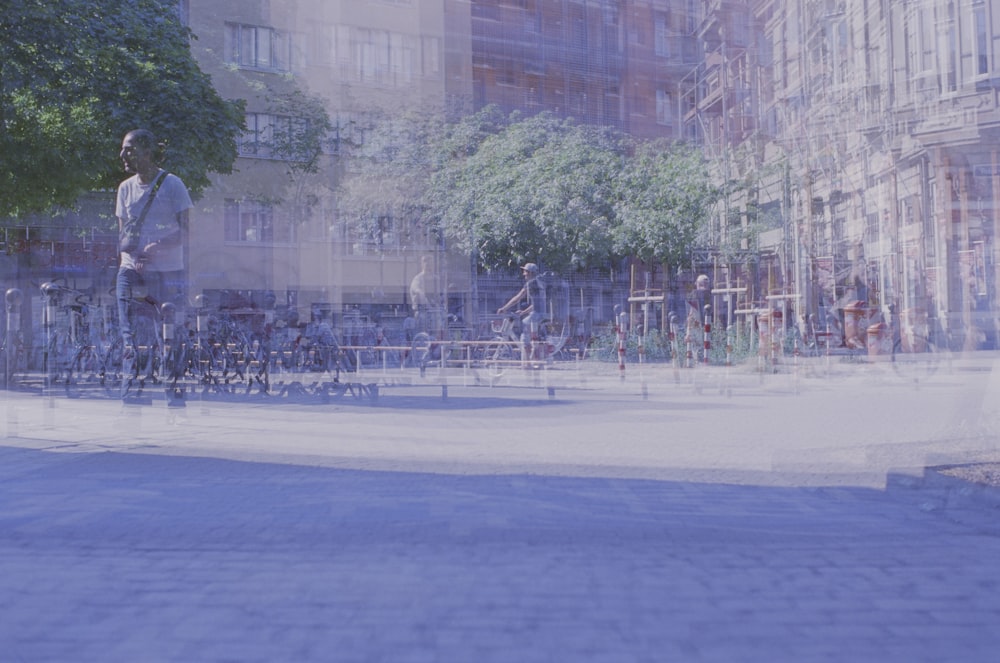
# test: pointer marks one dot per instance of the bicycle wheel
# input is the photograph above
(498, 358)
(111, 368)
(12, 367)
(175, 362)
(421, 349)
(200, 363)
(367, 354)
(84, 368)
(915, 360)
(60, 353)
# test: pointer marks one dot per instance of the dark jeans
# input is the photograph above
(155, 287)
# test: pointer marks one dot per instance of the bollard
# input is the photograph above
(708, 332)
(51, 293)
(730, 335)
(13, 297)
(672, 339)
(170, 360)
(168, 316)
(777, 335)
(201, 315)
(689, 343)
(622, 335)
(763, 317)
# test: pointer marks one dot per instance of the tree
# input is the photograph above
(76, 75)
(300, 128)
(538, 189)
(400, 170)
(390, 172)
(665, 196)
(512, 189)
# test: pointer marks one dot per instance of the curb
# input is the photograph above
(962, 500)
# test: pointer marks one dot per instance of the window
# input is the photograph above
(638, 101)
(950, 52)
(692, 17)
(254, 222)
(982, 41)
(740, 29)
(255, 47)
(662, 37)
(927, 44)
(272, 137)
(364, 55)
(663, 106)
(401, 50)
(841, 52)
(326, 44)
(431, 56)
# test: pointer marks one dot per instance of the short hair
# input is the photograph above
(144, 138)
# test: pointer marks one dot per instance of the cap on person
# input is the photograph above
(530, 267)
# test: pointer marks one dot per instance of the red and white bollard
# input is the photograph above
(708, 333)
(689, 344)
(622, 336)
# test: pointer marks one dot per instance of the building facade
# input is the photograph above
(859, 141)
(864, 138)
(273, 225)
(611, 63)
(276, 226)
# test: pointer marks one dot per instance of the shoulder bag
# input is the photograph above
(128, 241)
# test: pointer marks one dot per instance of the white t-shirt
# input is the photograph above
(161, 220)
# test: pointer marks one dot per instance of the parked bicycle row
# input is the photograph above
(79, 346)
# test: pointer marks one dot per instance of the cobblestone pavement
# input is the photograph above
(614, 523)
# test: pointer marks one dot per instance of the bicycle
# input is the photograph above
(316, 349)
(226, 353)
(76, 344)
(505, 347)
(423, 347)
(132, 367)
(360, 333)
(13, 357)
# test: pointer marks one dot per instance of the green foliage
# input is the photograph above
(657, 347)
(541, 189)
(389, 173)
(76, 75)
(666, 196)
(299, 143)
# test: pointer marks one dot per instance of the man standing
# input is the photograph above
(423, 296)
(152, 209)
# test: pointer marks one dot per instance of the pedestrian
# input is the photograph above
(152, 207)
(534, 293)
(700, 297)
(423, 296)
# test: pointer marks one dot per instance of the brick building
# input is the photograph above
(866, 135)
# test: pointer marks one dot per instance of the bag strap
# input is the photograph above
(149, 202)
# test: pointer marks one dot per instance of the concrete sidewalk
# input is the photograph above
(617, 522)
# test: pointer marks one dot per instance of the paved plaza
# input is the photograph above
(567, 515)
